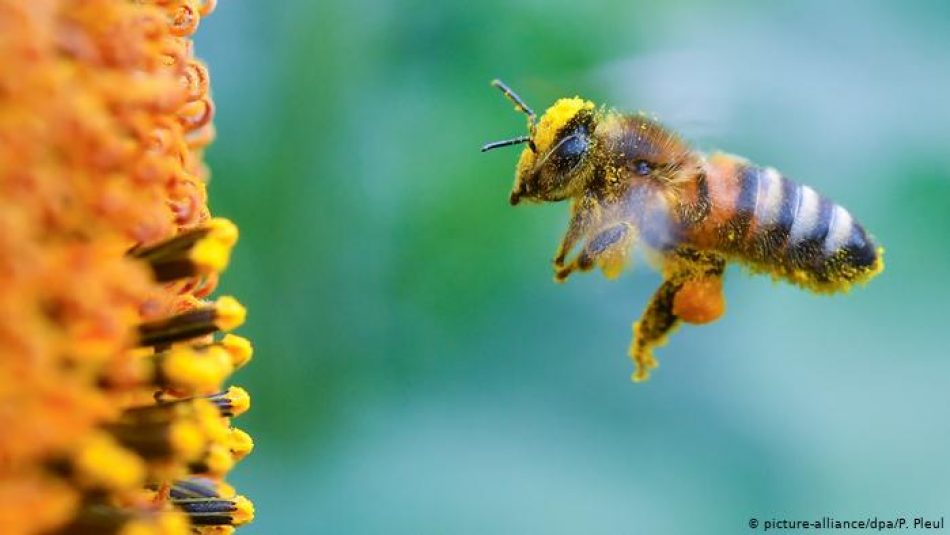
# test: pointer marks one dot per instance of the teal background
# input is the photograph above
(417, 370)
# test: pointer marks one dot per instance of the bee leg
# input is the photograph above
(653, 327)
(700, 299)
(605, 247)
(692, 292)
(583, 212)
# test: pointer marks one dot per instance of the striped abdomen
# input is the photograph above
(776, 225)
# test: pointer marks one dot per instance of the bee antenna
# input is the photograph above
(507, 142)
(518, 101)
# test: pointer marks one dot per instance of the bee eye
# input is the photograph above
(570, 151)
(642, 167)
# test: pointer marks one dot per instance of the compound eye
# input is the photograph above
(570, 151)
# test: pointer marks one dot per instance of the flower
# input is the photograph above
(113, 414)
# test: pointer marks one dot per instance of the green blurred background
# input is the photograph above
(417, 370)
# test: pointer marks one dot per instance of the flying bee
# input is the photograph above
(630, 180)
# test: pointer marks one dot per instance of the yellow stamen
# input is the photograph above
(232, 402)
(194, 371)
(240, 444)
(240, 400)
(229, 314)
(243, 510)
(173, 523)
(101, 463)
(199, 251)
(165, 523)
(224, 315)
(213, 251)
(235, 511)
(225, 490)
(215, 530)
(239, 347)
(209, 418)
(180, 430)
(216, 462)
(223, 230)
(201, 487)
(187, 440)
(137, 527)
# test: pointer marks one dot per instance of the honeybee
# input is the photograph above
(630, 180)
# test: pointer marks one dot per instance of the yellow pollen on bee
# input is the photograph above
(555, 118)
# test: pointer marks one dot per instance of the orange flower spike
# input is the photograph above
(112, 370)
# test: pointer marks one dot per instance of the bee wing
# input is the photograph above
(649, 209)
(642, 217)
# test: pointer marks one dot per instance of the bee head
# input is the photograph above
(551, 166)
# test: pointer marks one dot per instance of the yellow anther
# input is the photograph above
(229, 314)
(101, 463)
(239, 347)
(243, 511)
(240, 443)
(187, 440)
